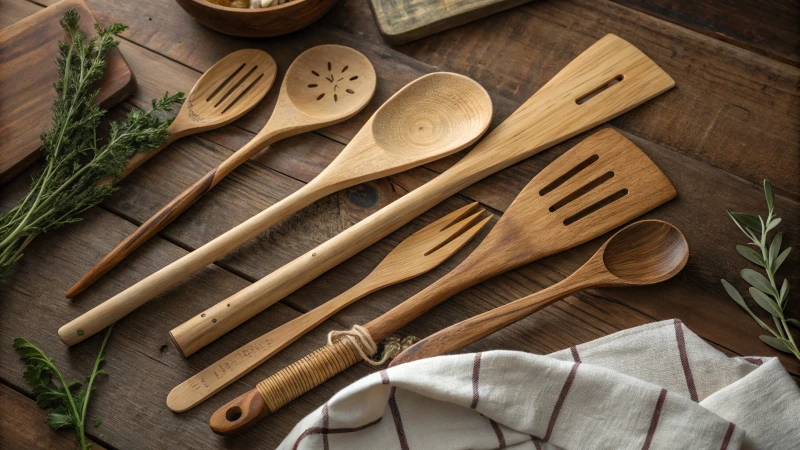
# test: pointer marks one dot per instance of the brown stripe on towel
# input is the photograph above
(687, 370)
(319, 430)
(384, 377)
(476, 369)
(398, 422)
(575, 355)
(560, 402)
(654, 419)
(728, 435)
(756, 361)
(501, 439)
(536, 443)
(325, 424)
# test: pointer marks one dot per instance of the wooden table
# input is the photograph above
(732, 120)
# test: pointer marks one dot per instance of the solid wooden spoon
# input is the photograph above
(325, 85)
(642, 253)
(220, 96)
(434, 116)
(417, 254)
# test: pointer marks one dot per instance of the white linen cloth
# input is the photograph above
(657, 386)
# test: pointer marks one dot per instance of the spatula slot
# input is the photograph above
(569, 174)
(601, 88)
(225, 83)
(582, 190)
(595, 207)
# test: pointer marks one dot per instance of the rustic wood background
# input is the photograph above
(732, 120)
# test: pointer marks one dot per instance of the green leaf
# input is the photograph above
(773, 223)
(751, 255)
(96, 422)
(777, 343)
(780, 259)
(784, 291)
(766, 302)
(794, 322)
(757, 280)
(747, 220)
(769, 194)
(58, 421)
(775, 247)
(734, 294)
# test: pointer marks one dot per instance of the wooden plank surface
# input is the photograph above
(713, 151)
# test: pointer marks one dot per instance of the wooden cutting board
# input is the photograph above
(402, 21)
(27, 73)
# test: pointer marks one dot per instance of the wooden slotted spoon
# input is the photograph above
(220, 96)
(434, 116)
(417, 254)
(591, 189)
(325, 85)
(646, 252)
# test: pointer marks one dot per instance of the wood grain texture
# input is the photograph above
(23, 425)
(27, 74)
(642, 253)
(259, 22)
(768, 28)
(407, 20)
(557, 32)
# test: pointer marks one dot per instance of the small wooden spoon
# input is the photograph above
(221, 95)
(325, 85)
(434, 116)
(642, 253)
(417, 254)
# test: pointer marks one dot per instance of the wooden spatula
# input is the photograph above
(607, 79)
(593, 188)
(417, 254)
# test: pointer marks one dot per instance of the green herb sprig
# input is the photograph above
(68, 403)
(76, 160)
(763, 289)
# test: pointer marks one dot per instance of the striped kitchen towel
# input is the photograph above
(657, 386)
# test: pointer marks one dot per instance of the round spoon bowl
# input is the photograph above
(439, 110)
(330, 81)
(646, 252)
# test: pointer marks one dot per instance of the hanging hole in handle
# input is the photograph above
(233, 414)
(585, 98)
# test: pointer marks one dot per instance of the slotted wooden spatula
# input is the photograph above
(600, 184)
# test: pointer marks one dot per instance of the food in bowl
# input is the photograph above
(248, 3)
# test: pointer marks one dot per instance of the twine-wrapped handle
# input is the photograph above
(285, 386)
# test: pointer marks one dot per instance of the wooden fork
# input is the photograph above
(416, 255)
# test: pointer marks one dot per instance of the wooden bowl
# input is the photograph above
(260, 22)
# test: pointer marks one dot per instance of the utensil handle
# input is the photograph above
(235, 365)
(140, 293)
(153, 225)
(284, 386)
(470, 330)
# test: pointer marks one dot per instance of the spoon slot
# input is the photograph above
(242, 94)
(583, 190)
(225, 82)
(569, 174)
(585, 98)
(238, 83)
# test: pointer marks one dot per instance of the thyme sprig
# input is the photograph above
(68, 403)
(75, 158)
(764, 290)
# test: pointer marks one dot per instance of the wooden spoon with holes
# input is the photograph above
(325, 85)
(417, 254)
(646, 252)
(432, 117)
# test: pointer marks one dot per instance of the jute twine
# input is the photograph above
(344, 349)
(366, 346)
